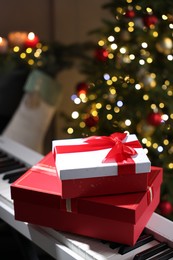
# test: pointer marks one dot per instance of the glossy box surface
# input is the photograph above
(37, 200)
(101, 165)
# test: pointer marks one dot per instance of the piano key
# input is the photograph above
(11, 177)
(6, 160)
(168, 254)
(143, 239)
(151, 251)
(2, 155)
(11, 167)
(114, 245)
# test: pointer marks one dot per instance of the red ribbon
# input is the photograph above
(120, 151)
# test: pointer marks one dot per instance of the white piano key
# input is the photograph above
(19, 151)
(161, 228)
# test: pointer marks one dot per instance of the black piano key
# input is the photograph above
(143, 239)
(6, 161)
(11, 177)
(114, 245)
(151, 251)
(3, 155)
(14, 177)
(164, 256)
(13, 166)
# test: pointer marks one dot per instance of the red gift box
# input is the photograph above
(119, 218)
(101, 165)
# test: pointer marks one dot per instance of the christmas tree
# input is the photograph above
(128, 84)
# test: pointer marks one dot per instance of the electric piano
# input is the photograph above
(155, 243)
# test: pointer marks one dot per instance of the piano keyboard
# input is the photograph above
(155, 243)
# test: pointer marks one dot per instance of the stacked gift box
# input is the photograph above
(102, 187)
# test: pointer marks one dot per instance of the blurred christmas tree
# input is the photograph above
(129, 83)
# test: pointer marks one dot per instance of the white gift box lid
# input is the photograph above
(88, 164)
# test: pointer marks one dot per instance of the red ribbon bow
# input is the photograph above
(120, 151)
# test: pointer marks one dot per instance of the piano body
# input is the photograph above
(65, 246)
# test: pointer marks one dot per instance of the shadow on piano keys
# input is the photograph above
(156, 242)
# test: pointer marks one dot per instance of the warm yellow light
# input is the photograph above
(114, 78)
(110, 56)
(170, 165)
(153, 106)
(166, 142)
(94, 113)
(161, 105)
(44, 48)
(148, 144)
(82, 97)
(132, 81)
(16, 49)
(37, 53)
(101, 43)
(130, 29)
(167, 82)
(149, 60)
(131, 24)
(169, 93)
(23, 55)
(28, 50)
(117, 29)
(109, 82)
(155, 145)
(98, 105)
(30, 61)
(93, 129)
(116, 109)
(149, 10)
(109, 117)
(146, 97)
(120, 10)
(155, 34)
(164, 17)
(70, 130)
(112, 91)
(138, 7)
(82, 124)
(108, 107)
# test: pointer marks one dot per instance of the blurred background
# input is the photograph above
(64, 21)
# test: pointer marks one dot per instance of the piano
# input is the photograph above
(155, 243)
